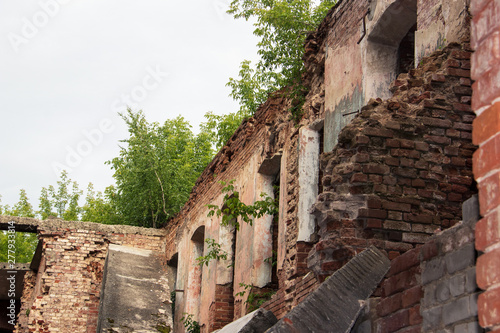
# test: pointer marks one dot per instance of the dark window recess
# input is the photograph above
(406, 52)
(274, 231)
(321, 151)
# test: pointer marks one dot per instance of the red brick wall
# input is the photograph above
(402, 168)
(401, 292)
(486, 134)
(66, 294)
(222, 309)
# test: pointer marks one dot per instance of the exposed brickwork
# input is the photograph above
(222, 309)
(432, 287)
(299, 289)
(64, 295)
(399, 305)
(486, 71)
(449, 281)
(399, 173)
(402, 168)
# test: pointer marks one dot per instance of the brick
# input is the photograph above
(429, 250)
(462, 107)
(487, 124)
(462, 90)
(485, 23)
(438, 77)
(397, 225)
(422, 146)
(380, 132)
(488, 269)
(487, 88)
(373, 213)
(376, 168)
(457, 285)
(460, 259)
(452, 63)
(405, 172)
(489, 308)
(457, 311)
(404, 262)
(431, 319)
(397, 321)
(458, 72)
(389, 305)
(402, 207)
(433, 270)
(464, 82)
(489, 193)
(415, 318)
(400, 282)
(392, 143)
(412, 296)
(488, 231)
(397, 216)
(486, 55)
(442, 291)
(359, 178)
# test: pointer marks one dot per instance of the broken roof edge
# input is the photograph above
(28, 224)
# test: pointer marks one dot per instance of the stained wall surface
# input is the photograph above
(382, 156)
(389, 172)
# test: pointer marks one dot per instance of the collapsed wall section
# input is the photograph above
(432, 287)
(63, 293)
(402, 167)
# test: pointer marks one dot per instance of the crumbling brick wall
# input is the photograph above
(432, 287)
(400, 171)
(402, 167)
(64, 294)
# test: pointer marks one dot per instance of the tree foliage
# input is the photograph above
(282, 26)
(101, 208)
(25, 243)
(62, 201)
(221, 127)
(157, 168)
(233, 208)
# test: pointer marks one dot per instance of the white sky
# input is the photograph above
(66, 70)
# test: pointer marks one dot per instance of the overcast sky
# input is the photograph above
(68, 66)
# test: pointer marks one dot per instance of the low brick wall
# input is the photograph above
(64, 294)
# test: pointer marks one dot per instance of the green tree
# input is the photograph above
(157, 169)
(99, 207)
(25, 243)
(23, 206)
(221, 127)
(61, 202)
(282, 26)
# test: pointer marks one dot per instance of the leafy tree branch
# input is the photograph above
(214, 252)
(233, 208)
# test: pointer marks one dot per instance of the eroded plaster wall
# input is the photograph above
(406, 150)
(363, 51)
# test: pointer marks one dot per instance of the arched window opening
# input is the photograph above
(195, 273)
(390, 48)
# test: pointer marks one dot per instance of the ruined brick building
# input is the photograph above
(389, 155)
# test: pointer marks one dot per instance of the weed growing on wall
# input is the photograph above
(233, 208)
(214, 252)
(191, 325)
